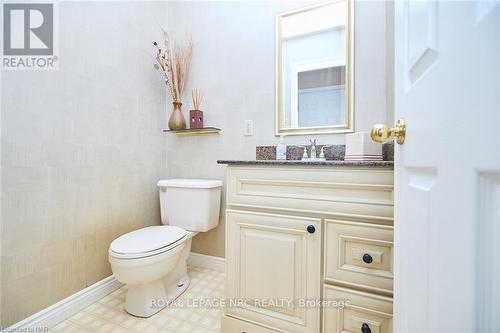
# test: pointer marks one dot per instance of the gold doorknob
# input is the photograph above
(381, 133)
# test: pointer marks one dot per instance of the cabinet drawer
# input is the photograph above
(360, 309)
(233, 325)
(359, 255)
(362, 193)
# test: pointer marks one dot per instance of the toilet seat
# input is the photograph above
(146, 242)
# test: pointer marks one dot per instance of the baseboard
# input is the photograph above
(208, 262)
(62, 310)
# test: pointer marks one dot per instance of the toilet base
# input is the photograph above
(144, 300)
(155, 282)
(148, 299)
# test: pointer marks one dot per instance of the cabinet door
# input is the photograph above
(272, 268)
(233, 325)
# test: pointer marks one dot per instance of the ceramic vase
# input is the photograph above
(176, 121)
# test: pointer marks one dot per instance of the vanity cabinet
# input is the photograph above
(300, 235)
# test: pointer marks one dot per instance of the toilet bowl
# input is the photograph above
(152, 260)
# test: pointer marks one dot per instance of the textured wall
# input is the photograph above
(82, 149)
(233, 63)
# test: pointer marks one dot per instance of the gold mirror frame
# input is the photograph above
(348, 127)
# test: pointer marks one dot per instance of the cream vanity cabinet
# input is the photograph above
(297, 235)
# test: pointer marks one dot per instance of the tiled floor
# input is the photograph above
(107, 315)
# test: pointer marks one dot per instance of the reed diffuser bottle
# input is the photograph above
(196, 115)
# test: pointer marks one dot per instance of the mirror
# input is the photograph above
(314, 90)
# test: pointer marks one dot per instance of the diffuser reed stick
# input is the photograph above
(197, 97)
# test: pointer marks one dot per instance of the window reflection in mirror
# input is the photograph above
(313, 70)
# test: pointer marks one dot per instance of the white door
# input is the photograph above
(447, 172)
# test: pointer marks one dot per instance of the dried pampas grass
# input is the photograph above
(173, 63)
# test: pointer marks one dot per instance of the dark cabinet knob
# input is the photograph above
(311, 229)
(365, 328)
(367, 258)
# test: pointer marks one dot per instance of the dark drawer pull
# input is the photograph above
(367, 258)
(365, 328)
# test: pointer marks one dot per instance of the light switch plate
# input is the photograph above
(248, 127)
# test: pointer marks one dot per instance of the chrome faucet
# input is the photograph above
(313, 149)
(313, 155)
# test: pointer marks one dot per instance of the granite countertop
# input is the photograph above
(328, 163)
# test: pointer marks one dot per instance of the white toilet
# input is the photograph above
(152, 260)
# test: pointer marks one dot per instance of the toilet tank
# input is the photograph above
(192, 204)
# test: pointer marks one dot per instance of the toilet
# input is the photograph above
(152, 261)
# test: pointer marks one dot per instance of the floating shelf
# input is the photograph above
(195, 131)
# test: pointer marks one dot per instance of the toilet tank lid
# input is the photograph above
(190, 183)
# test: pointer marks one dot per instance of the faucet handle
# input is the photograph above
(304, 155)
(322, 152)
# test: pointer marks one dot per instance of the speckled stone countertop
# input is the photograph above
(330, 163)
(332, 152)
